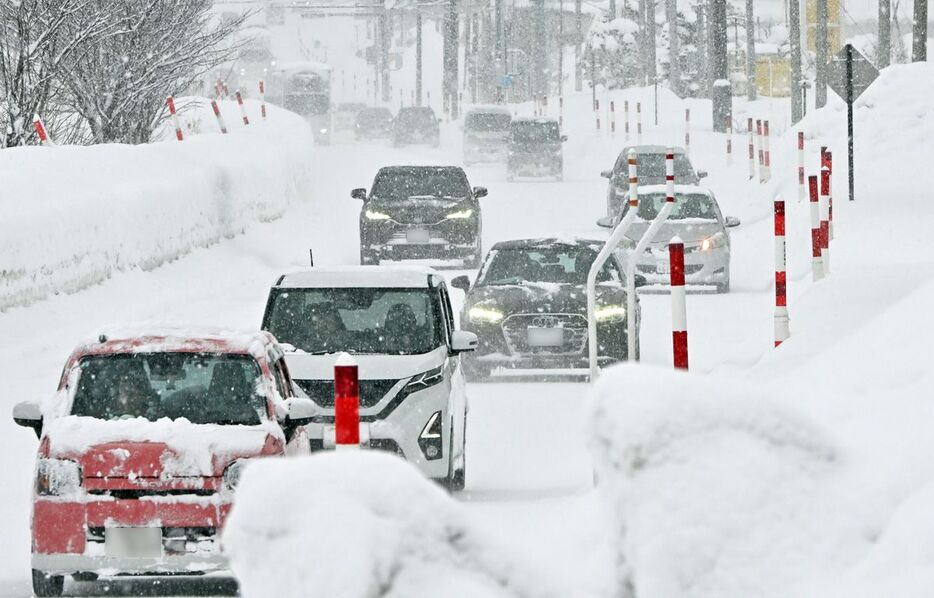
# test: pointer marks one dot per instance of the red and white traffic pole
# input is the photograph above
(612, 117)
(626, 118)
(827, 159)
(817, 262)
(346, 403)
(687, 131)
(40, 130)
(752, 149)
(246, 120)
(825, 218)
(225, 89)
(782, 331)
(178, 128)
(596, 111)
(262, 97)
(802, 189)
(639, 123)
(768, 154)
(679, 315)
(217, 114)
(729, 141)
(218, 89)
(761, 151)
(561, 112)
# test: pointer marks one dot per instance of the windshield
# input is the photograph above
(693, 206)
(400, 184)
(483, 122)
(653, 166)
(204, 388)
(307, 104)
(560, 264)
(532, 132)
(356, 320)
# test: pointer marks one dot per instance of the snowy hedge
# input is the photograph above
(363, 525)
(71, 216)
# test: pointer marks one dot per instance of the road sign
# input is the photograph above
(863, 73)
(506, 81)
(851, 74)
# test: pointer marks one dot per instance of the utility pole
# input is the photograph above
(884, 55)
(822, 55)
(794, 34)
(612, 10)
(450, 59)
(384, 33)
(560, 48)
(579, 44)
(701, 45)
(919, 49)
(650, 58)
(722, 92)
(751, 90)
(418, 56)
(539, 74)
(674, 46)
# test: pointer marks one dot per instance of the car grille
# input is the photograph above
(515, 330)
(322, 391)
(144, 493)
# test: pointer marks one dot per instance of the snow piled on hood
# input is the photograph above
(364, 525)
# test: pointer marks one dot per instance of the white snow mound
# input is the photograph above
(362, 525)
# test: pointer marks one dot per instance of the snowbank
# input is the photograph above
(363, 525)
(71, 216)
(715, 487)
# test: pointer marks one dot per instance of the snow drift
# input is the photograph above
(363, 525)
(71, 215)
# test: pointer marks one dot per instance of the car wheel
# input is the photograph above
(44, 584)
(368, 257)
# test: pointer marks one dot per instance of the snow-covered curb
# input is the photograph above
(363, 525)
(71, 216)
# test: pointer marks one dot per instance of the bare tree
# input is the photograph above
(118, 82)
(36, 38)
(884, 47)
(750, 52)
(919, 48)
(674, 46)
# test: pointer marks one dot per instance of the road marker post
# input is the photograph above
(217, 114)
(346, 403)
(817, 262)
(802, 185)
(824, 207)
(246, 120)
(679, 316)
(40, 130)
(752, 150)
(782, 330)
(262, 98)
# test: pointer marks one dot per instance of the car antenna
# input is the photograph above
(311, 257)
(102, 338)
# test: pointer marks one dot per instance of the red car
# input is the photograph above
(141, 449)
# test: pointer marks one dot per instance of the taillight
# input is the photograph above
(57, 477)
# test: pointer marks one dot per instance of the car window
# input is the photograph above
(445, 301)
(557, 264)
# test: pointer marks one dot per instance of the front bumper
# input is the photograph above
(69, 564)
(711, 267)
(484, 152)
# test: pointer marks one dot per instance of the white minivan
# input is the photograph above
(399, 326)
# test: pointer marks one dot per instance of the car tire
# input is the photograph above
(723, 287)
(369, 257)
(44, 584)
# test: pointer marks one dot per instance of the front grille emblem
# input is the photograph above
(545, 322)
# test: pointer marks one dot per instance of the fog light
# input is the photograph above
(432, 452)
(431, 438)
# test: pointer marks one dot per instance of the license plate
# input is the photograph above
(545, 337)
(417, 235)
(663, 267)
(133, 542)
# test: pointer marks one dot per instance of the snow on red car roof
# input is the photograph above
(176, 340)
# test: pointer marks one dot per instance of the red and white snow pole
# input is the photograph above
(262, 98)
(687, 131)
(768, 154)
(752, 150)
(246, 120)
(825, 218)
(217, 114)
(729, 141)
(178, 128)
(561, 112)
(346, 403)
(612, 117)
(761, 151)
(679, 315)
(817, 262)
(802, 185)
(827, 159)
(626, 118)
(596, 111)
(639, 123)
(225, 89)
(40, 130)
(218, 89)
(782, 331)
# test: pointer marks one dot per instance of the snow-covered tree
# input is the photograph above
(613, 45)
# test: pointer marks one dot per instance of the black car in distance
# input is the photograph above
(421, 212)
(534, 148)
(373, 123)
(417, 124)
(528, 307)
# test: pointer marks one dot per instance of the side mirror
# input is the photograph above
(461, 282)
(731, 221)
(606, 174)
(28, 415)
(301, 413)
(463, 341)
(702, 174)
(640, 281)
(358, 194)
(605, 222)
(564, 138)
(480, 192)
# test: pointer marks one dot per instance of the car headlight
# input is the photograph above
(718, 240)
(605, 313)
(374, 215)
(426, 379)
(479, 313)
(323, 131)
(233, 473)
(57, 477)
(460, 215)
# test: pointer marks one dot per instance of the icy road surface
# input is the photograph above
(529, 470)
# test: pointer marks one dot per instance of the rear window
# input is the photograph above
(204, 388)
(653, 165)
(534, 132)
(485, 122)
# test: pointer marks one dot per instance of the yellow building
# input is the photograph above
(833, 25)
(773, 76)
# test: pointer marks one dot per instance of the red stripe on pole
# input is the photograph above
(679, 343)
(676, 255)
(801, 140)
(40, 129)
(178, 130)
(781, 289)
(346, 405)
(815, 230)
(779, 218)
(246, 120)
